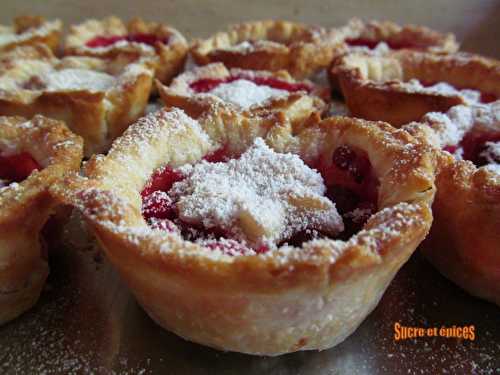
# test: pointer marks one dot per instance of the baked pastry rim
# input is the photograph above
(40, 30)
(297, 106)
(372, 99)
(170, 57)
(96, 120)
(302, 57)
(27, 205)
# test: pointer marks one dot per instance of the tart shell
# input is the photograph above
(395, 37)
(463, 243)
(31, 30)
(296, 107)
(373, 85)
(97, 116)
(464, 240)
(170, 56)
(283, 301)
(25, 208)
(282, 45)
(402, 37)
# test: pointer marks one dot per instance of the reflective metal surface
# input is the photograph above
(87, 322)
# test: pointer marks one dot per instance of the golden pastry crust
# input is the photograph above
(412, 37)
(30, 30)
(296, 106)
(282, 301)
(26, 206)
(271, 45)
(376, 88)
(380, 37)
(98, 114)
(171, 55)
(463, 243)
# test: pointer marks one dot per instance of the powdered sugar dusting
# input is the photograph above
(78, 79)
(492, 152)
(245, 93)
(444, 88)
(9, 36)
(263, 197)
(380, 49)
(453, 125)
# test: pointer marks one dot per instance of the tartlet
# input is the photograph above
(381, 37)
(35, 154)
(97, 98)
(271, 45)
(259, 297)
(403, 86)
(111, 37)
(30, 30)
(389, 36)
(245, 93)
(464, 240)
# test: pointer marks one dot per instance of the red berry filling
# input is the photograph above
(158, 205)
(473, 145)
(16, 168)
(372, 43)
(352, 185)
(350, 182)
(207, 84)
(162, 179)
(217, 156)
(143, 38)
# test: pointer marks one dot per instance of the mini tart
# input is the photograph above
(111, 37)
(380, 37)
(34, 156)
(270, 45)
(97, 98)
(245, 93)
(277, 301)
(370, 35)
(464, 240)
(30, 30)
(398, 87)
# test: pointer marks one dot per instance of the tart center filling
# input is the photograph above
(352, 185)
(470, 132)
(44, 77)
(260, 201)
(378, 43)
(78, 79)
(247, 90)
(263, 197)
(16, 168)
(142, 38)
(480, 148)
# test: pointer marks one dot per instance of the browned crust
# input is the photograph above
(34, 25)
(171, 56)
(25, 209)
(418, 37)
(379, 95)
(410, 37)
(98, 117)
(296, 107)
(464, 240)
(463, 243)
(160, 267)
(297, 48)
